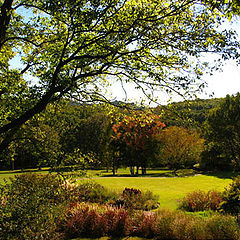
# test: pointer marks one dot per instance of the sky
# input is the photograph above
(223, 82)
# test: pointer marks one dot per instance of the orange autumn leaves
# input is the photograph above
(137, 129)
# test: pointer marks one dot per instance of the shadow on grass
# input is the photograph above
(7, 172)
(166, 173)
(140, 175)
(222, 174)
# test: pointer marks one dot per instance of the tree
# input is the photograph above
(188, 113)
(179, 147)
(135, 134)
(223, 135)
(36, 144)
(73, 48)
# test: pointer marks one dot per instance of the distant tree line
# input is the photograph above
(179, 135)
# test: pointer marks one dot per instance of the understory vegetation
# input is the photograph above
(37, 206)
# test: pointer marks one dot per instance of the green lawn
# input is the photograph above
(5, 175)
(124, 172)
(169, 189)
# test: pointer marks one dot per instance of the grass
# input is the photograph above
(5, 175)
(160, 182)
(169, 189)
(124, 172)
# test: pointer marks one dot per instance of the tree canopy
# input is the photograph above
(77, 48)
(223, 135)
(136, 134)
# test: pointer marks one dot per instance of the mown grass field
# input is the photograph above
(5, 175)
(160, 182)
(169, 189)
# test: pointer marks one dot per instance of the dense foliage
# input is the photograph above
(35, 206)
(136, 136)
(201, 201)
(97, 221)
(187, 113)
(65, 48)
(179, 147)
(44, 207)
(223, 135)
(61, 136)
(231, 198)
(30, 206)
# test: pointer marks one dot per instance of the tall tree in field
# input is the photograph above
(137, 134)
(76, 48)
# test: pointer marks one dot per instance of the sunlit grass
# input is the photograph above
(6, 175)
(124, 172)
(169, 189)
(160, 182)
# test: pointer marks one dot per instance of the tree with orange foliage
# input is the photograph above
(137, 134)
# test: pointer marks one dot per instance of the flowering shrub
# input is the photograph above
(200, 201)
(132, 198)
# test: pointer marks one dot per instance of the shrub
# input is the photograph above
(91, 192)
(201, 201)
(164, 224)
(132, 198)
(221, 227)
(30, 206)
(85, 220)
(144, 224)
(187, 227)
(231, 198)
(118, 221)
(178, 225)
(135, 199)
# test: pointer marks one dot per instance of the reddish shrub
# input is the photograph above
(144, 225)
(117, 220)
(85, 220)
(200, 201)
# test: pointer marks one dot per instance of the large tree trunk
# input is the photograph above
(137, 170)
(132, 170)
(144, 170)
(5, 17)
